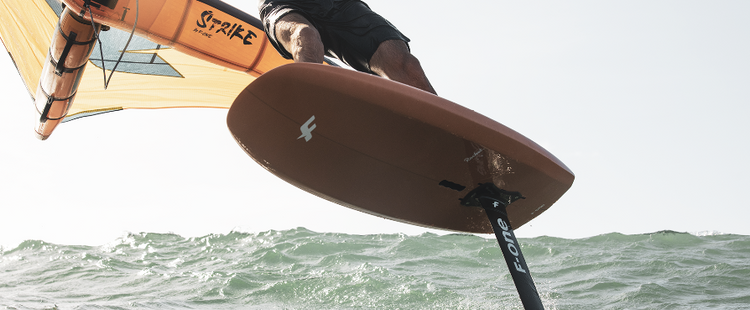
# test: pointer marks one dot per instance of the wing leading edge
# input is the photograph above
(150, 75)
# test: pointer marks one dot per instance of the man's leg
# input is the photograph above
(392, 60)
(298, 36)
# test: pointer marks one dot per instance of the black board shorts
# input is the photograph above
(349, 29)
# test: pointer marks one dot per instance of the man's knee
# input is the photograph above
(392, 60)
(300, 38)
(390, 54)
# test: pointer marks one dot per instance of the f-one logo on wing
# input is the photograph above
(210, 26)
(307, 129)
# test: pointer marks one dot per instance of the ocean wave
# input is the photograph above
(303, 269)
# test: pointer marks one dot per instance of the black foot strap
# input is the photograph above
(494, 201)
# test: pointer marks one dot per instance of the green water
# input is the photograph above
(301, 269)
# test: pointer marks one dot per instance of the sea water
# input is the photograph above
(302, 269)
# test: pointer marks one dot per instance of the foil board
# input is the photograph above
(389, 149)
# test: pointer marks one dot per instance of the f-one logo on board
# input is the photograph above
(307, 129)
(210, 26)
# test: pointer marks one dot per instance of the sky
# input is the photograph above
(647, 102)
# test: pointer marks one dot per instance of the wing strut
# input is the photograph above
(87, 5)
(494, 201)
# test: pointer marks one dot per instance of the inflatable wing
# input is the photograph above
(186, 53)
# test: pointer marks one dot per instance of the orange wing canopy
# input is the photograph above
(186, 53)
